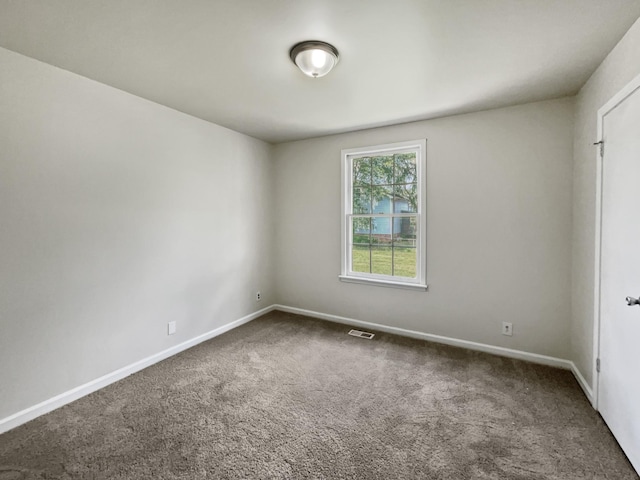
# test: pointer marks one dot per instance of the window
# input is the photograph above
(383, 224)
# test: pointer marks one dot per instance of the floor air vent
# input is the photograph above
(358, 333)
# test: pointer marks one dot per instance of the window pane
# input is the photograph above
(404, 231)
(405, 168)
(383, 212)
(360, 258)
(404, 262)
(382, 199)
(362, 231)
(362, 199)
(381, 260)
(405, 198)
(362, 171)
(381, 231)
(382, 170)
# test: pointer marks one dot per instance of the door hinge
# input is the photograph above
(598, 365)
(601, 143)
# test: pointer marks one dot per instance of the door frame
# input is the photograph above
(616, 100)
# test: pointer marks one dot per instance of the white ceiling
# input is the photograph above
(227, 61)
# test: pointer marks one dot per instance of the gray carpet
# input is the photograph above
(290, 397)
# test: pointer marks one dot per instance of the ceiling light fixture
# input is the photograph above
(314, 58)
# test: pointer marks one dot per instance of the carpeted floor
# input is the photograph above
(287, 397)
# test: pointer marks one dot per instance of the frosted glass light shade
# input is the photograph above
(314, 58)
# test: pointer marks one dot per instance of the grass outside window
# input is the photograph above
(398, 261)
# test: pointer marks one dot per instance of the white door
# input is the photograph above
(619, 379)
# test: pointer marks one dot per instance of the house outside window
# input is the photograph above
(383, 221)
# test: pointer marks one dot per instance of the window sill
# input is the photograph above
(383, 283)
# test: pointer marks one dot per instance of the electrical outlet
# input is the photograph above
(258, 296)
(507, 328)
(171, 328)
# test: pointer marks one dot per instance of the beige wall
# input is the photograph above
(499, 228)
(618, 69)
(117, 216)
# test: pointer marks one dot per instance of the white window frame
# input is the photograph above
(347, 275)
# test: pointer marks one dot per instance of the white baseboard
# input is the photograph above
(69, 396)
(481, 347)
(584, 385)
